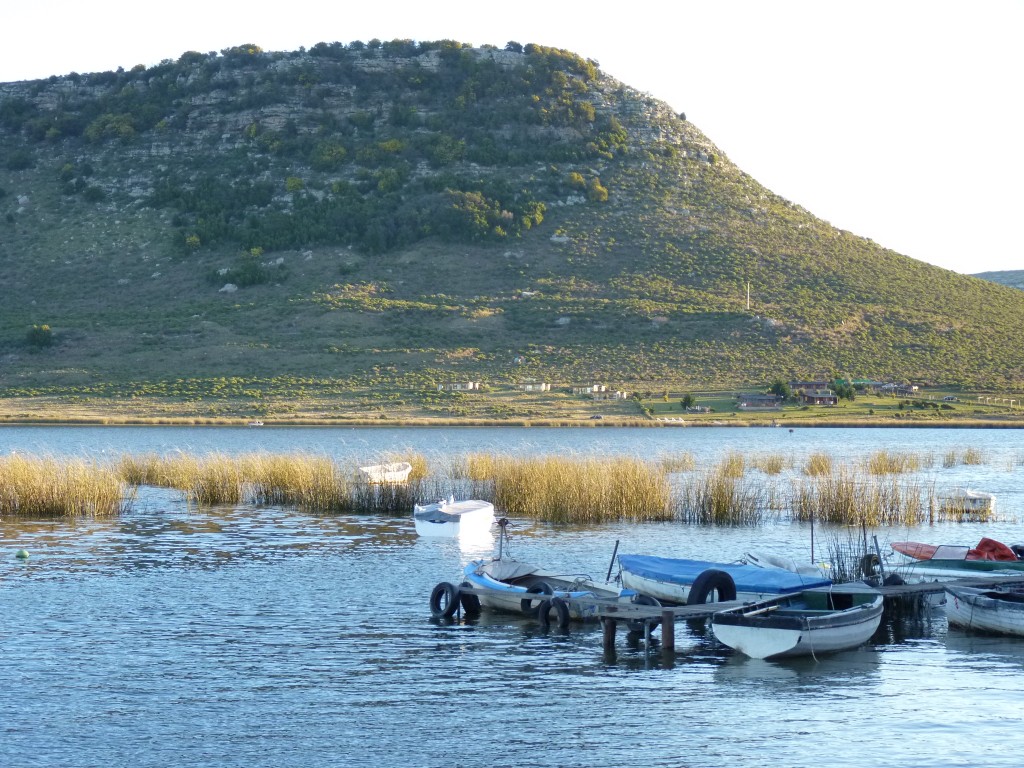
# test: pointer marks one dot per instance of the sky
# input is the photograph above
(897, 120)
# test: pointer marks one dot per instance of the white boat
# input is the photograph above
(966, 501)
(256, 423)
(681, 581)
(990, 610)
(507, 585)
(453, 518)
(808, 623)
(394, 472)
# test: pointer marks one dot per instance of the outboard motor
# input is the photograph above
(1018, 550)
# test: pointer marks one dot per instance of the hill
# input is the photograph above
(1011, 277)
(364, 222)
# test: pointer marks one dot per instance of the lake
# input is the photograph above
(259, 636)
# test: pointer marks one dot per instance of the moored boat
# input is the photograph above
(989, 610)
(806, 623)
(927, 562)
(681, 581)
(451, 518)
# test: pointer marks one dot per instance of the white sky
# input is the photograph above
(899, 120)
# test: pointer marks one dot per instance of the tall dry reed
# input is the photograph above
(818, 464)
(33, 487)
(845, 497)
(567, 490)
(721, 496)
(887, 463)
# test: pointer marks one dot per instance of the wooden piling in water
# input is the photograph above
(668, 631)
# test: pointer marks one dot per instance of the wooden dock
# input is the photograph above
(643, 619)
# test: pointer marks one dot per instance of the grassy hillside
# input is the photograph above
(379, 219)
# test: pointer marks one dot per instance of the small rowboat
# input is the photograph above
(808, 623)
(989, 610)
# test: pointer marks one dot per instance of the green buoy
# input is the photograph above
(22, 554)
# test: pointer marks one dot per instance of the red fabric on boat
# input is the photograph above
(990, 549)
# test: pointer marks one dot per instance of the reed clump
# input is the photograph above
(887, 463)
(720, 496)
(309, 482)
(818, 464)
(845, 497)
(37, 487)
(567, 490)
(771, 464)
(678, 462)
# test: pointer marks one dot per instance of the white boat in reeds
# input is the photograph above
(394, 472)
(451, 518)
(966, 501)
(989, 610)
(808, 623)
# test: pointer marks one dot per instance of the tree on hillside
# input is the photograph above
(688, 401)
(781, 388)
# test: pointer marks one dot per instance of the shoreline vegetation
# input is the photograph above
(666, 407)
(882, 489)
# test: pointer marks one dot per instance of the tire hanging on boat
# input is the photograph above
(560, 609)
(637, 625)
(870, 565)
(470, 603)
(540, 588)
(444, 600)
(708, 583)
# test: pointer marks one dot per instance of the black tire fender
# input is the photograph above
(555, 605)
(444, 600)
(708, 583)
(527, 605)
(637, 625)
(870, 565)
(470, 603)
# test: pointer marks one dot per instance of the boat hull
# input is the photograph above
(805, 624)
(986, 610)
(510, 586)
(452, 519)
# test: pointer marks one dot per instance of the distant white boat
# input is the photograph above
(966, 501)
(453, 518)
(394, 472)
(256, 423)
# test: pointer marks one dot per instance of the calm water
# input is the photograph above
(245, 636)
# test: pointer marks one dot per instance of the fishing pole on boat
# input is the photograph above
(612, 563)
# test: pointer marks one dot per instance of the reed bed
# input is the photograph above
(845, 497)
(309, 482)
(563, 490)
(37, 487)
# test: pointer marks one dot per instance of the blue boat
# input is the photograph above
(689, 582)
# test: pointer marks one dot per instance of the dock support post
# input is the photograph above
(668, 632)
(608, 636)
